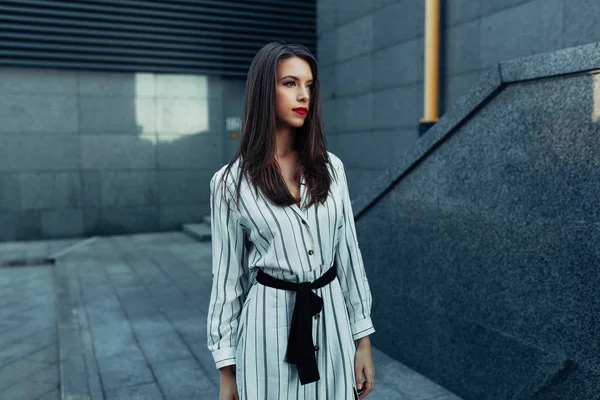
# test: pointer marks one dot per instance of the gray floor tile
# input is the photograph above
(26, 390)
(384, 392)
(141, 392)
(54, 394)
(106, 345)
(46, 355)
(182, 378)
(28, 331)
(164, 347)
(122, 370)
(17, 371)
(28, 344)
(49, 374)
(145, 327)
(36, 331)
(447, 397)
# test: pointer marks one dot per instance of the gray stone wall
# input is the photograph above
(84, 153)
(481, 242)
(371, 58)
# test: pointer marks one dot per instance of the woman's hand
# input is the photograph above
(363, 364)
(228, 389)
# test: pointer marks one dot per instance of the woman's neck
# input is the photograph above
(284, 138)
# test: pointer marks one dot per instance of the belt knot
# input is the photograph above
(300, 349)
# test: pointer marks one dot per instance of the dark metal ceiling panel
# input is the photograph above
(189, 36)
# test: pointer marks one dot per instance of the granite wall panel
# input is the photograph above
(126, 115)
(10, 193)
(44, 113)
(116, 151)
(84, 153)
(355, 38)
(401, 21)
(534, 27)
(485, 248)
(353, 77)
(455, 12)
(461, 51)
(392, 67)
(22, 80)
(581, 22)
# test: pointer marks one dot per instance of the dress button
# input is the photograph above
(317, 347)
(317, 316)
(310, 252)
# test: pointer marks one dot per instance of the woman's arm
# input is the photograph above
(230, 278)
(350, 268)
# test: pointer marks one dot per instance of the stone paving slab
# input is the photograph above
(28, 341)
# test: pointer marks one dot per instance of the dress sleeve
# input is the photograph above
(230, 278)
(351, 270)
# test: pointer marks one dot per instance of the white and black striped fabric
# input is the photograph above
(248, 323)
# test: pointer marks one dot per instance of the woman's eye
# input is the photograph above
(290, 83)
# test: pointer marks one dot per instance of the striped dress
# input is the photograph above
(248, 323)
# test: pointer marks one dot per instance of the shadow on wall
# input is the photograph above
(88, 153)
(158, 182)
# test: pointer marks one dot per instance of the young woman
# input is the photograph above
(289, 313)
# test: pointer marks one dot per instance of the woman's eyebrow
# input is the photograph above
(293, 77)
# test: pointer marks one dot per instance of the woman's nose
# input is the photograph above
(302, 94)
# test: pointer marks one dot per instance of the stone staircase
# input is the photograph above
(199, 231)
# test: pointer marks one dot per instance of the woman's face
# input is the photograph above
(293, 86)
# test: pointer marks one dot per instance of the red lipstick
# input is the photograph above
(300, 110)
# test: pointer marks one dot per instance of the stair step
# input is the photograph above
(207, 219)
(199, 232)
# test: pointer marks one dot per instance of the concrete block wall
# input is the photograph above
(371, 59)
(85, 153)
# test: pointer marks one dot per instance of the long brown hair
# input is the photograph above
(258, 145)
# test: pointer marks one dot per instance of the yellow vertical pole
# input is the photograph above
(432, 54)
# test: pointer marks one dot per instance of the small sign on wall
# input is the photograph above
(233, 125)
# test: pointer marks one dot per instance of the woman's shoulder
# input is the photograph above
(221, 171)
(335, 161)
(218, 176)
(228, 177)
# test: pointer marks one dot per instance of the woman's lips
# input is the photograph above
(301, 111)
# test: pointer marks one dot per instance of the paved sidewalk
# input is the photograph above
(131, 323)
(29, 367)
(142, 316)
(28, 342)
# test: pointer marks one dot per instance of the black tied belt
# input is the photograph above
(300, 348)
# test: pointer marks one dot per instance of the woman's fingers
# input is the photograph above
(369, 383)
(368, 389)
(363, 365)
(228, 390)
(358, 375)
